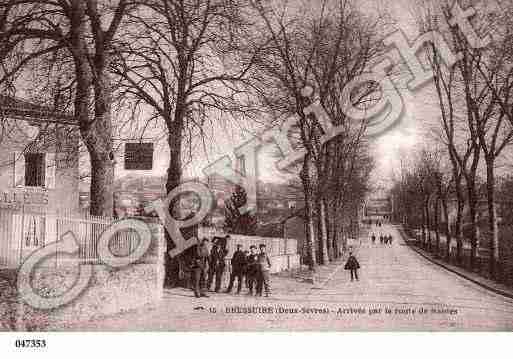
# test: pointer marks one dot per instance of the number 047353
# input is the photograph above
(30, 343)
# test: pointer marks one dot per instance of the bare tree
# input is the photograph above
(84, 31)
(181, 59)
(490, 126)
(309, 45)
(457, 125)
(182, 62)
(492, 109)
(444, 180)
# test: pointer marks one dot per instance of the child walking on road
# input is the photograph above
(352, 265)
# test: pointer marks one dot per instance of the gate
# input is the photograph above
(24, 231)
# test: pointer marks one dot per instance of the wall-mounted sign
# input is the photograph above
(18, 198)
(139, 156)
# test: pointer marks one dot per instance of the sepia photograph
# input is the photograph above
(255, 166)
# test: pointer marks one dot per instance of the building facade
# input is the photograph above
(39, 176)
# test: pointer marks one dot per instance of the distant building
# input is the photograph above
(378, 207)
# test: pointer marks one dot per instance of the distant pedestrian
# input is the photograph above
(352, 265)
(373, 238)
(238, 263)
(390, 239)
(381, 239)
(199, 267)
(264, 275)
(252, 269)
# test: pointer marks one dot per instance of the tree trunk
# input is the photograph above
(423, 241)
(174, 170)
(334, 245)
(308, 190)
(332, 230)
(102, 181)
(323, 231)
(174, 174)
(427, 244)
(174, 177)
(472, 202)
(437, 225)
(96, 133)
(471, 187)
(458, 230)
(101, 152)
(492, 218)
(448, 239)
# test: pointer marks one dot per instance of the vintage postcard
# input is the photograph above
(255, 165)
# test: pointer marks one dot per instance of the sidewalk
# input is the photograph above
(180, 310)
(323, 273)
(475, 278)
(321, 276)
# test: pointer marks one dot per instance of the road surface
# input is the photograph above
(398, 290)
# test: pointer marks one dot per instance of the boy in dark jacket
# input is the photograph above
(217, 265)
(353, 266)
(252, 269)
(238, 263)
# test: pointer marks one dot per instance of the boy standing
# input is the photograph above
(199, 267)
(238, 263)
(252, 269)
(264, 268)
(352, 265)
(217, 265)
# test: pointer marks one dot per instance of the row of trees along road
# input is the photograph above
(473, 128)
(182, 66)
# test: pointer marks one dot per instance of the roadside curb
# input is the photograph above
(342, 260)
(313, 279)
(320, 284)
(459, 273)
(336, 270)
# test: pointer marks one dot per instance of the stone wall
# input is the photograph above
(109, 291)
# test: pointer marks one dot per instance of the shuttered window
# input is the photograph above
(35, 169)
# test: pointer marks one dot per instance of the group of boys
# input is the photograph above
(249, 267)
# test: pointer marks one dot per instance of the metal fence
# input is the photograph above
(23, 232)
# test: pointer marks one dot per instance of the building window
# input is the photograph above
(241, 165)
(34, 169)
